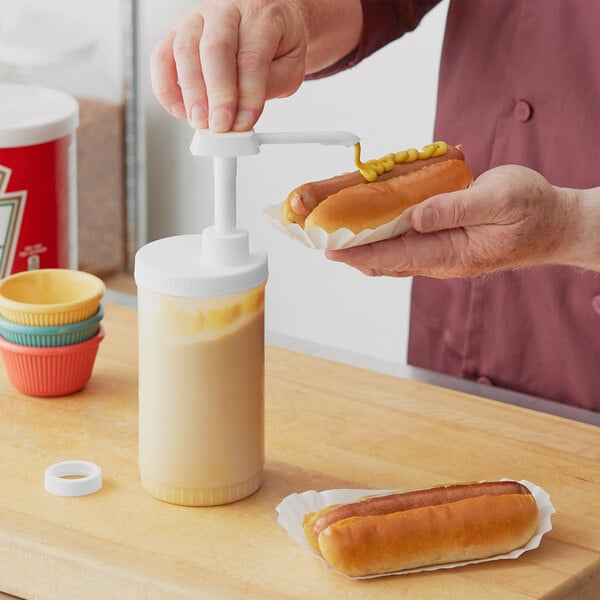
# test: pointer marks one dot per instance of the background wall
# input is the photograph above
(73, 45)
(388, 100)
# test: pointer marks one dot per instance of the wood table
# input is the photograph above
(328, 426)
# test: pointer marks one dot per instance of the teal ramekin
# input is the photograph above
(54, 335)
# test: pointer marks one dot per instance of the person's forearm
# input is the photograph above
(333, 29)
(585, 250)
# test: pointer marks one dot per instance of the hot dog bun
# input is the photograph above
(443, 525)
(368, 205)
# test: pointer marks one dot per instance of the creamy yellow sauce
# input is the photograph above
(374, 167)
(201, 396)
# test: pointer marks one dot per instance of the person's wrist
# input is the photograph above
(584, 209)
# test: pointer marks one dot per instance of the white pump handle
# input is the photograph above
(245, 143)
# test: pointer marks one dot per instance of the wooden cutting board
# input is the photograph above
(327, 426)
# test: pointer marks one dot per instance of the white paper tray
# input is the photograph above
(319, 239)
(293, 508)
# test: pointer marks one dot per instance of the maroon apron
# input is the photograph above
(519, 83)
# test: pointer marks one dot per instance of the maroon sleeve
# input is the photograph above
(383, 22)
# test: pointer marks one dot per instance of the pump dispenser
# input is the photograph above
(224, 244)
(201, 342)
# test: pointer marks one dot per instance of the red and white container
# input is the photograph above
(38, 195)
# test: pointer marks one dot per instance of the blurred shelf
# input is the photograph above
(121, 282)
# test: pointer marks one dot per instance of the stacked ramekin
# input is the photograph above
(50, 329)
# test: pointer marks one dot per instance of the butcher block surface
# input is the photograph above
(328, 425)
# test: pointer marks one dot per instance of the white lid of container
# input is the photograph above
(33, 115)
(73, 478)
(179, 266)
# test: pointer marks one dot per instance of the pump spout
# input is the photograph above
(326, 138)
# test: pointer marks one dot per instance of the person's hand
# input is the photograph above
(223, 59)
(511, 217)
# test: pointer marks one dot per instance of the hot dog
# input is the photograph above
(350, 201)
(406, 530)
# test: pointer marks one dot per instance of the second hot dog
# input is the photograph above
(432, 526)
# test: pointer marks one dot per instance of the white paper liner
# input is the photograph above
(293, 508)
(319, 239)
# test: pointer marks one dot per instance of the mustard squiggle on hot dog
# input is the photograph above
(372, 168)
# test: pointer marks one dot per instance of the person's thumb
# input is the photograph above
(454, 209)
(444, 211)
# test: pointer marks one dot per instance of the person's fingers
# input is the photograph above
(388, 257)
(444, 254)
(222, 61)
(287, 74)
(163, 77)
(270, 60)
(218, 49)
(186, 51)
(257, 46)
(444, 211)
(465, 208)
(263, 80)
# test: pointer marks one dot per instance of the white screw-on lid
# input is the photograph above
(181, 266)
(73, 478)
(33, 115)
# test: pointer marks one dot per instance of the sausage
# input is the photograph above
(388, 503)
(306, 197)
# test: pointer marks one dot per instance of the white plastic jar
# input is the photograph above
(38, 196)
(201, 373)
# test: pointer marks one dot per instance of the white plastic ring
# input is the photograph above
(73, 478)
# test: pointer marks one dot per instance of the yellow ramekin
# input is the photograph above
(49, 297)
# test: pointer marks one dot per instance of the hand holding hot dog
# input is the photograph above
(224, 58)
(511, 217)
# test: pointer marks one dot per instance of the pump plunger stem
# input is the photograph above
(224, 148)
(225, 172)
